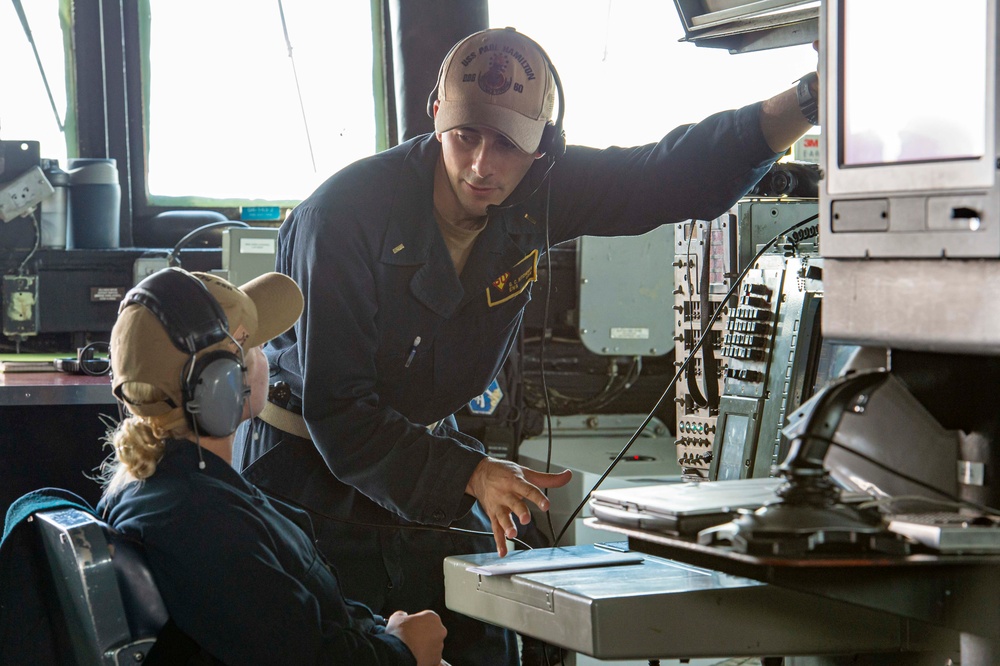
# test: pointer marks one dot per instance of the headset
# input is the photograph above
(213, 385)
(86, 361)
(553, 141)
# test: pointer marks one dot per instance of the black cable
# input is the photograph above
(86, 354)
(615, 386)
(694, 391)
(430, 528)
(611, 391)
(190, 236)
(706, 333)
(545, 179)
(541, 352)
(690, 281)
(37, 245)
(906, 477)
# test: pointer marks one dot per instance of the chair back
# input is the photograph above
(112, 607)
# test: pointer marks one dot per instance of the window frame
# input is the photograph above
(125, 78)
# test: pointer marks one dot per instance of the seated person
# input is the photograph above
(239, 573)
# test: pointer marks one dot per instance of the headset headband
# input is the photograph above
(191, 316)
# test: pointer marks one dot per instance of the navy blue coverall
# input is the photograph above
(241, 578)
(377, 275)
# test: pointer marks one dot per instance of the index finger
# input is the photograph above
(532, 494)
(547, 480)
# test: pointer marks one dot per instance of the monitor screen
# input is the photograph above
(909, 144)
(913, 82)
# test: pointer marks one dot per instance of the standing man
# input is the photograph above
(416, 265)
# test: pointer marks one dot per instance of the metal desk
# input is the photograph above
(955, 592)
(51, 430)
(53, 388)
(665, 609)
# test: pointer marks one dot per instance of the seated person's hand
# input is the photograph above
(502, 488)
(422, 632)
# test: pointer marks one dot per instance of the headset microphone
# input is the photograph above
(253, 423)
(525, 199)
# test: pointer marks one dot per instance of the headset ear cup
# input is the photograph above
(558, 142)
(546, 141)
(216, 393)
(553, 142)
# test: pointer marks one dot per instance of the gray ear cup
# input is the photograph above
(216, 394)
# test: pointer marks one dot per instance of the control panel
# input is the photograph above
(704, 262)
(754, 362)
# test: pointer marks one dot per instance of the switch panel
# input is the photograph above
(20, 305)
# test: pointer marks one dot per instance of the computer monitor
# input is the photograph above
(909, 129)
(909, 202)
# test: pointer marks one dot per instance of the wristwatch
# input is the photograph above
(809, 100)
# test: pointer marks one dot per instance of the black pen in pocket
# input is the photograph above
(413, 352)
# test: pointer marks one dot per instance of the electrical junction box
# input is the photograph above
(248, 253)
(627, 293)
(21, 195)
(146, 266)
